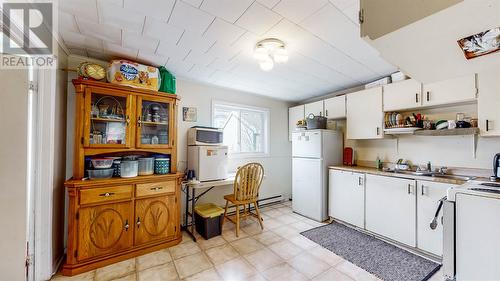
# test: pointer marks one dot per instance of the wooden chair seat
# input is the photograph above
(246, 189)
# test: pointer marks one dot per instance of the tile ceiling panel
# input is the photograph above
(230, 10)
(212, 41)
(190, 18)
(258, 19)
(298, 10)
(157, 9)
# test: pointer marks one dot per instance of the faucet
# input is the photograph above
(443, 170)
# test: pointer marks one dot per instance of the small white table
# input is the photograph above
(189, 189)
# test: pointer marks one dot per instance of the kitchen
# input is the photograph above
(254, 140)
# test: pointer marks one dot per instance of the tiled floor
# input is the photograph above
(278, 252)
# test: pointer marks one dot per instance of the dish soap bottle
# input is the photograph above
(378, 163)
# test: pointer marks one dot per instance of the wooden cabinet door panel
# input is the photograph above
(295, 114)
(347, 197)
(402, 95)
(364, 114)
(104, 229)
(460, 89)
(156, 219)
(316, 108)
(335, 107)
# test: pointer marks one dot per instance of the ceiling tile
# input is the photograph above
(133, 40)
(161, 30)
(221, 64)
(83, 8)
(298, 10)
(119, 51)
(344, 4)
(190, 18)
(229, 10)
(123, 18)
(169, 49)
(158, 9)
(76, 40)
(194, 3)
(198, 58)
(222, 50)
(353, 13)
(268, 3)
(258, 19)
(194, 41)
(178, 67)
(222, 31)
(151, 59)
(201, 71)
(102, 31)
(67, 22)
(99, 55)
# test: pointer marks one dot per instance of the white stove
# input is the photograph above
(472, 231)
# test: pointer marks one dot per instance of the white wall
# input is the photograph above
(277, 165)
(13, 173)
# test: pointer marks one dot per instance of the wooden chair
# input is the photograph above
(246, 190)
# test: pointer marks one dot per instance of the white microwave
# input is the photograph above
(204, 136)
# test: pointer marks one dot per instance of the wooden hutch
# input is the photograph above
(111, 220)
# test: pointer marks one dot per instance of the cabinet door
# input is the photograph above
(295, 114)
(156, 219)
(428, 195)
(477, 231)
(154, 126)
(107, 119)
(364, 114)
(488, 103)
(335, 107)
(390, 208)
(402, 95)
(461, 89)
(315, 108)
(347, 197)
(104, 229)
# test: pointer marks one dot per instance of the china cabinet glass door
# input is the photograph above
(153, 123)
(107, 119)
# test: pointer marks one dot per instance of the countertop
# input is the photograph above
(374, 171)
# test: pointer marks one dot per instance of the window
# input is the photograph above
(246, 128)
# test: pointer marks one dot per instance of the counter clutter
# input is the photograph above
(127, 167)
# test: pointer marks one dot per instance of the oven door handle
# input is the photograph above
(434, 223)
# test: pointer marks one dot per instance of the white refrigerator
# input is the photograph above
(312, 152)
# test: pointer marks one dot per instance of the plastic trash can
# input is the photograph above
(208, 220)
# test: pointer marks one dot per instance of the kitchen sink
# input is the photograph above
(454, 177)
(414, 173)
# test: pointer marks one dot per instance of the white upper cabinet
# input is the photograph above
(364, 114)
(295, 114)
(488, 103)
(456, 90)
(391, 208)
(402, 95)
(335, 107)
(315, 108)
(428, 195)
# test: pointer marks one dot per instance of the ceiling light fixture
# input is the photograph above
(270, 51)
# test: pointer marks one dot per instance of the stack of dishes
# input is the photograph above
(102, 168)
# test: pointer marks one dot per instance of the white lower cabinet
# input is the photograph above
(346, 195)
(428, 195)
(390, 208)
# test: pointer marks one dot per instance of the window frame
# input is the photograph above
(267, 129)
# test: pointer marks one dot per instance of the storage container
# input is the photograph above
(315, 122)
(146, 166)
(162, 166)
(100, 173)
(129, 168)
(208, 220)
(133, 74)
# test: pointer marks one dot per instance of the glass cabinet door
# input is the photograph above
(107, 119)
(153, 123)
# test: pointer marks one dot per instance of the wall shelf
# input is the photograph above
(448, 132)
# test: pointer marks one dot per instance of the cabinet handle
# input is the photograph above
(409, 188)
(428, 96)
(416, 97)
(156, 188)
(487, 125)
(139, 121)
(422, 190)
(326, 112)
(127, 120)
(360, 181)
(378, 131)
(138, 222)
(107, 194)
(126, 225)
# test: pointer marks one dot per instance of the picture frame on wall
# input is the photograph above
(189, 114)
(480, 44)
